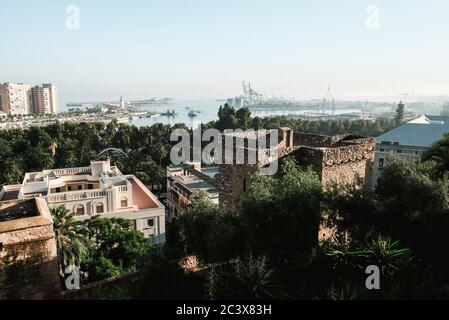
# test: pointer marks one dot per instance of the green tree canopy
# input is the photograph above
(281, 215)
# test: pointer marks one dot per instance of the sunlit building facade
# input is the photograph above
(99, 189)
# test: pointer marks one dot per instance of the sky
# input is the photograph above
(203, 49)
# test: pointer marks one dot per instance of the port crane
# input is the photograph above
(328, 99)
(249, 93)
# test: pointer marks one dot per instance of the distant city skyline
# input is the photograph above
(204, 49)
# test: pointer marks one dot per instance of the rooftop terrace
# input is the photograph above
(13, 210)
(10, 193)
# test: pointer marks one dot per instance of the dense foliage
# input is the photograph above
(67, 144)
(229, 118)
(401, 227)
(101, 248)
(116, 248)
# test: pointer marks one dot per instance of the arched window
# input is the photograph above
(99, 208)
(79, 210)
(124, 202)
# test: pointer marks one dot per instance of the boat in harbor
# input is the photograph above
(153, 115)
(155, 102)
(170, 113)
(192, 114)
(122, 120)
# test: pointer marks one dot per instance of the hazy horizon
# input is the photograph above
(202, 50)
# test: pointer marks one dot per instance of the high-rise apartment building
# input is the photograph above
(53, 96)
(22, 99)
(15, 98)
(43, 99)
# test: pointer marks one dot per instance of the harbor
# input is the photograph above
(193, 113)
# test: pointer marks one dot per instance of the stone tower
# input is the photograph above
(28, 258)
(342, 159)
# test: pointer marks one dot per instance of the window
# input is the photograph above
(396, 143)
(289, 138)
(58, 190)
(124, 202)
(90, 186)
(381, 150)
(80, 187)
(79, 210)
(99, 208)
(69, 188)
(381, 163)
(150, 223)
(398, 151)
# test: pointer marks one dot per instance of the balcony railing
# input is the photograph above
(31, 177)
(74, 196)
(123, 189)
(71, 171)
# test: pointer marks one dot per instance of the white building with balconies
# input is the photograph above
(100, 189)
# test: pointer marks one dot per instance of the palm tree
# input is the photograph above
(158, 174)
(385, 253)
(13, 171)
(70, 160)
(161, 151)
(46, 161)
(250, 278)
(70, 239)
(439, 153)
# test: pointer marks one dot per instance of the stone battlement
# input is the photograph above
(28, 259)
(341, 159)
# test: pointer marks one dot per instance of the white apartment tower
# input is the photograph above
(15, 98)
(53, 96)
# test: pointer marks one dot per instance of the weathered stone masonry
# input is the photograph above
(341, 159)
(28, 259)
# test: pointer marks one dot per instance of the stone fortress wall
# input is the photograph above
(28, 258)
(341, 159)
